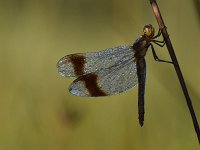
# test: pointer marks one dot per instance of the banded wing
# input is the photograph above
(76, 65)
(109, 81)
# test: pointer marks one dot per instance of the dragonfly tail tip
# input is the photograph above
(141, 123)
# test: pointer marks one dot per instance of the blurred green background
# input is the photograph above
(38, 113)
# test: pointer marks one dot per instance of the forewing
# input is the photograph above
(110, 81)
(76, 65)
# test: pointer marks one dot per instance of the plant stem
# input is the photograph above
(176, 65)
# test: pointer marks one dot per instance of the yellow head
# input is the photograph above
(149, 30)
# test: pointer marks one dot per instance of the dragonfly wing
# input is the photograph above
(76, 65)
(109, 81)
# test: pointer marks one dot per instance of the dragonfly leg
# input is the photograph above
(158, 43)
(156, 57)
(158, 34)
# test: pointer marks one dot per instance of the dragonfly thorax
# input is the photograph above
(149, 30)
(140, 46)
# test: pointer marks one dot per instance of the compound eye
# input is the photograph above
(148, 30)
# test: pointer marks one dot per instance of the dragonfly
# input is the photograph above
(112, 71)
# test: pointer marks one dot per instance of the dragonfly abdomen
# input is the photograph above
(141, 73)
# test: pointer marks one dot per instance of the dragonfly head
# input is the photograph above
(149, 30)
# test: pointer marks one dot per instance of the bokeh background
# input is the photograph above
(38, 113)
